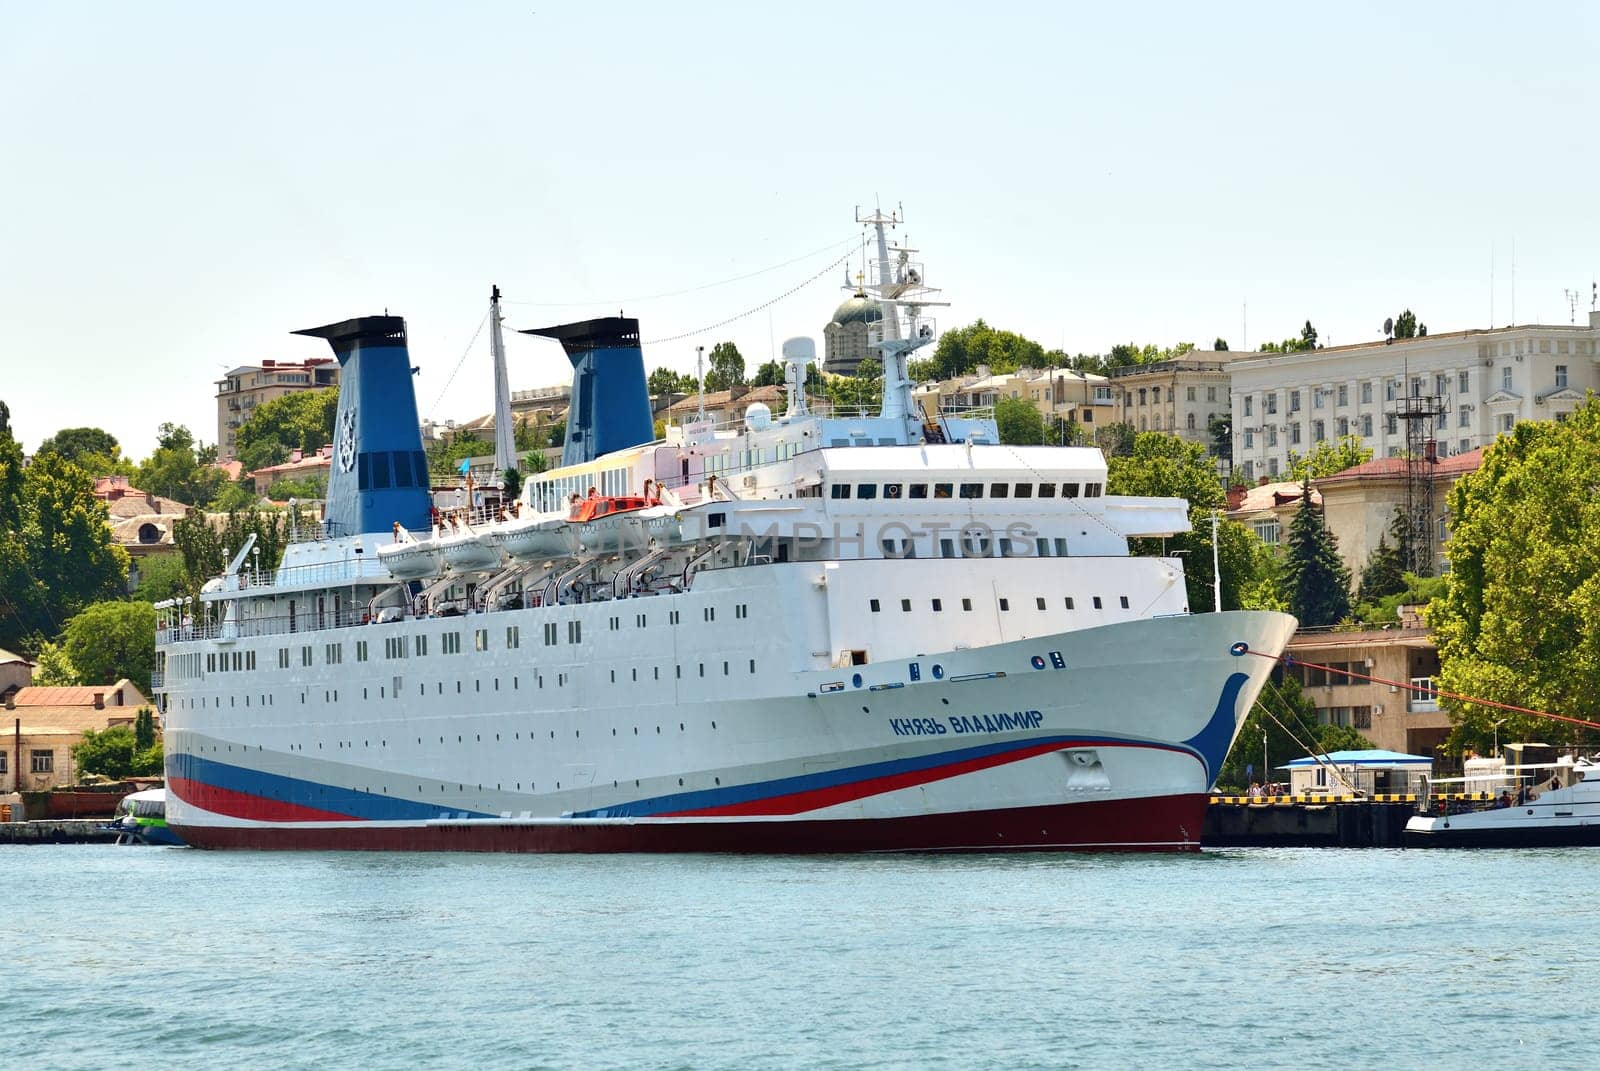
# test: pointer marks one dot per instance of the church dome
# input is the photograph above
(858, 309)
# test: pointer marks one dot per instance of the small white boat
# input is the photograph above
(409, 558)
(1537, 806)
(467, 551)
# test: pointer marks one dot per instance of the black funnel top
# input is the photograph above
(606, 333)
(345, 335)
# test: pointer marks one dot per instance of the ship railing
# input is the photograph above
(316, 531)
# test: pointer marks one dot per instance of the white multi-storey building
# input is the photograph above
(1482, 381)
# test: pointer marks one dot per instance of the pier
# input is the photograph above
(57, 831)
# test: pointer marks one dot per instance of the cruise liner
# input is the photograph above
(803, 632)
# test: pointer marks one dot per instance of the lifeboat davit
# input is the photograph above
(409, 558)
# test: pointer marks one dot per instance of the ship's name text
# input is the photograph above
(960, 724)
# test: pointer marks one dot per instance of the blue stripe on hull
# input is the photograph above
(368, 806)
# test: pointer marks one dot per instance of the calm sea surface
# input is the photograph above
(155, 958)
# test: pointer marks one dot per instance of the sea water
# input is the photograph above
(1251, 958)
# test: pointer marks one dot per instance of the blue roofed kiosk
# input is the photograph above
(1370, 772)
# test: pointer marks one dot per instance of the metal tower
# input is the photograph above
(1420, 412)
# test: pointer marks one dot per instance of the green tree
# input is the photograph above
(1419, 591)
(666, 381)
(963, 349)
(53, 668)
(862, 391)
(144, 729)
(768, 375)
(727, 367)
(1327, 458)
(112, 640)
(1406, 326)
(235, 495)
(511, 482)
(73, 443)
(10, 480)
(161, 576)
(1384, 573)
(1019, 422)
(1317, 583)
(299, 421)
(1220, 345)
(1165, 466)
(114, 753)
(445, 457)
(307, 488)
(206, 542)
(1519, 621)
(1220, 430)
(181, 469)
(1308, 337)
(61, 557)
(1115, 440)
(922, 370)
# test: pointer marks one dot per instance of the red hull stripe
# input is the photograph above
(1163, 823)
(797, 802)
(243, 805)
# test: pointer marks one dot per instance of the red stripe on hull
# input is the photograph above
(243, 805)
(1165, 823)
(817, 798)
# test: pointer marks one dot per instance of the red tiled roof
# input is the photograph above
(1379, 467)
(44, 695)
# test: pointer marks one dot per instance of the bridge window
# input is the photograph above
(873, 605)
(918, 490)
(1069, 490)
(867, 490)
(972, 490)
(1047, 490)
(999, 490)
(1091, 490)
(840, 490)
(1023, 490)
(941, 490)
(891, 490)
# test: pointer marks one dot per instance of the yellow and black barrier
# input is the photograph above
(1381, 797)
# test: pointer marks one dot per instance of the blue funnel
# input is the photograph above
(379, 473)
(610, 407)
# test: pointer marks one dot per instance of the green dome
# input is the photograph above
(858, 309)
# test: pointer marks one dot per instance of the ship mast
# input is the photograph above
(505, 442)
(899, 284)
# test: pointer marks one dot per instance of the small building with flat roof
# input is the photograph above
(1371, 772)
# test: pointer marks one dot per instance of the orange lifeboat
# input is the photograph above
(602, 506)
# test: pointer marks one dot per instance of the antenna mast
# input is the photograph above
(700, 377)
(899, 284)
(1572, 306)
(505, 441)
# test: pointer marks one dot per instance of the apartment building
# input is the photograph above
(245, 387)
(1179, 396)
(1478, 383)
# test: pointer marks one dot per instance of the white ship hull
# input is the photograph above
(1113, 743)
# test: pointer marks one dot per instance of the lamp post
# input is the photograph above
(1497, 725)
(1266, 771)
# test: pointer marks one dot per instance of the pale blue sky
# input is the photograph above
(181, 185)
